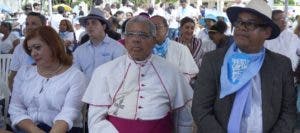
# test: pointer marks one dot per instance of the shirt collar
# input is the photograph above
(104, 41)
(140, 63)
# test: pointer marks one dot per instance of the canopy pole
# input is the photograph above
(50, 8)
(286, 4)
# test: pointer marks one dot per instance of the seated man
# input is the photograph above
(246, 88)
(136, 92)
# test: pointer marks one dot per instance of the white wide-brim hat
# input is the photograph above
(259, 8)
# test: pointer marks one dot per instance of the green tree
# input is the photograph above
(281, 2)
(278, 2)
(291, 2)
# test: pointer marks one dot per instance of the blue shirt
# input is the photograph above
(88, 57)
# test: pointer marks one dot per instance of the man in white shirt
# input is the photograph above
(20, 58)
(137, 92)
(179, 56)
(176, 53)
(56, 18)
(287, 43)
(186, 11)
(20, 23)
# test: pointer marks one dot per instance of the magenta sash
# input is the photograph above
(163, 125)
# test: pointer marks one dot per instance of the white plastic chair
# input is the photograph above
(5, 60)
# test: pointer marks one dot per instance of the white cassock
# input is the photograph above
(287, 44)
(180, 56)
(125, 88)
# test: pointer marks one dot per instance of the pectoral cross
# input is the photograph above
(119, 105)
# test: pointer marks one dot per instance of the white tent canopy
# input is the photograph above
(12, 4)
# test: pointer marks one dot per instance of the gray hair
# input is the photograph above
(141, 19)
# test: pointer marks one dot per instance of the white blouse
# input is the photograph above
(7, 45)
(68, 36)
(45, 100)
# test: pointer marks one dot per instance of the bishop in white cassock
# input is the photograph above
(137, 92)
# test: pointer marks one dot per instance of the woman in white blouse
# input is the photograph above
(66, 32)
(46, 96)
(9, 40)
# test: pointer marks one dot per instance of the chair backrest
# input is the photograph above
(5, 60)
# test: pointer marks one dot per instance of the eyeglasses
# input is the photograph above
(141, 35)
(248, 25)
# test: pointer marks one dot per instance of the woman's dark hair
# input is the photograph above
(186, 20)
(113, 34)
(52, 39)
(124, 25)
(40, 16)
(144, 14)
(118, 13)
(84, 39)
(7, 25)
(170, 8)
(68, 24)
(150, 10)
(114, 21)
(220, 27)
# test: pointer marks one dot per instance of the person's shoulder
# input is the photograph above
(217, 54)
(177, 44)
(12, 35)
(289, 33)
(113, 43)
(27, 70)
(75, 73)
(19, 48)
(275, 57)
(163, 64)
(74, 70)
(82, 46)
(110, 66)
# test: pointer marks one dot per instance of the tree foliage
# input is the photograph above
(281, 2)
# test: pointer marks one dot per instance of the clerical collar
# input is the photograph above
(143, 62)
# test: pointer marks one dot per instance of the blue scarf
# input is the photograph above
(236, 73)
(62, 34)
(161, 49)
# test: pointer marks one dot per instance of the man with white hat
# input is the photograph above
(246, 88)
(100, 48)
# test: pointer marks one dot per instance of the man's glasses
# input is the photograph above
(248, 25)
(141, 35)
